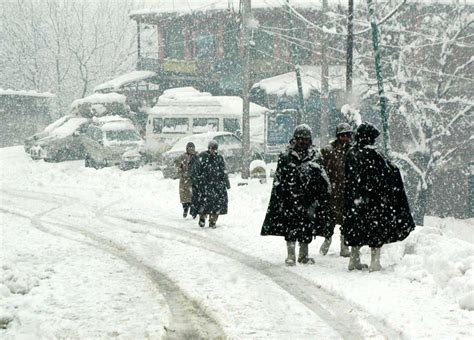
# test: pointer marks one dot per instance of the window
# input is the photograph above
(232, 125)
(122, 135)
(205, 45)
(175, 43)
(201, 125)
(157, 125)
(228, 141)
(175, 125)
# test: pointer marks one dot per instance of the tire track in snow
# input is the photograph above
(189, 318)
(337, 312)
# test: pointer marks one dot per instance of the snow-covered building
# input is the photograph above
(23, 113)
(198, 43)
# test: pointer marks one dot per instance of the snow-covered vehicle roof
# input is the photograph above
(100, 98)
(116, 83)
(189, 101)
(100, 104)
(113, 123)
(68, 128)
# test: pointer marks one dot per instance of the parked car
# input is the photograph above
(32, 140)
(60, 141)
(132, 159)
(107, 139)
(230, 147)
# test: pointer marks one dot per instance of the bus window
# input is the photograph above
(231, 125)
(157, 125)
(201, 125)
(175, 125)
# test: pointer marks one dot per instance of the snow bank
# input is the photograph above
(438, 258)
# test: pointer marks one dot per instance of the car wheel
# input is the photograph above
(87, 162)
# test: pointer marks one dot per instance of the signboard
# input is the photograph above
(180, 66)
(279, 126)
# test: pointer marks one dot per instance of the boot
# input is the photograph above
(325, 246)
(375, 260)
(213, 220)
(354, 261)
(202, 221)
(291, 259)
(303, 255)
(345, 252)
(185, 210)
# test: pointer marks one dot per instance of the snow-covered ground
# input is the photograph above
(87, 254)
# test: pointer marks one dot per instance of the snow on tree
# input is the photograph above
(428, 67)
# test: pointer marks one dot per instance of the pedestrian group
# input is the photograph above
(349, 183)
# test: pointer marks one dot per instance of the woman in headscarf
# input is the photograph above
(184, 163)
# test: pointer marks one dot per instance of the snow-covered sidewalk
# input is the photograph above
(87, 253)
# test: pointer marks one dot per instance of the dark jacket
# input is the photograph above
(376, 206)
(334, 161)
(211, 183)
(299, 202)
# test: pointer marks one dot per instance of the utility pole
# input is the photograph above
(246, 13)
(295, 61)
(350, 47)
(324, 128)
(378, 72)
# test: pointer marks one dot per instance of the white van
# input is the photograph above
(169, 122)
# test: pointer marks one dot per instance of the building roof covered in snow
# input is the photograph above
(24, 93)
(285, 84)
(116, 83)
(186, 7)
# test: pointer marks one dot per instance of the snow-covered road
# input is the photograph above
(89, 253)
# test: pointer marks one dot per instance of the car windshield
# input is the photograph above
(123, 135)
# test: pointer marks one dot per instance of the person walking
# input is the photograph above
(212, 182)
(376, 206)
(183, 163)
(299, 204)
(334, 161)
